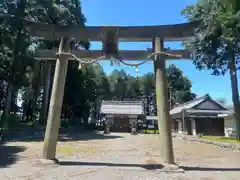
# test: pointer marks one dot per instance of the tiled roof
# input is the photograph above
(188, 105)
(191, 104)
(122, 107)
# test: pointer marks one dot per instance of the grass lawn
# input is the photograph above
(150, 131)
(68, 150)
(221, 139)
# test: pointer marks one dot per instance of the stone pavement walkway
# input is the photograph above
(117, 157)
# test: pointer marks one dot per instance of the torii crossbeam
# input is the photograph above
(173, 32)
(154, 34)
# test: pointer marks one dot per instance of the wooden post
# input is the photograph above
(164, 120)
(134, 127)
(184, 122)
(106, 126)
(55, 106)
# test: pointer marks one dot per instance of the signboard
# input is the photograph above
(150, 126)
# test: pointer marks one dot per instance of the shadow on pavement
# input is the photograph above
(9, 154)
(188, 168)
(65, 136)
(87, 136)
(145, 166)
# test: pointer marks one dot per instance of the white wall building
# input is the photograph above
(229, 124)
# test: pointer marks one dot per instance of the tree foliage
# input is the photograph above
(222, 101)
(179, 86)
(18, 67)
(216, 41)
(86, 88)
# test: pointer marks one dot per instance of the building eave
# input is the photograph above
(207, 111)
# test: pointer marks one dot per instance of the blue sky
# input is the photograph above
(152, 12)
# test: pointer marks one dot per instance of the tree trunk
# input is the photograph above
(36, 89)
(34, 104)
(46, 92)
(14, 102)
(23, 110)
(235, 95)
(8, 102)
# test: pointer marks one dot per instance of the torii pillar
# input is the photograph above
(164, 119)
(55, 106)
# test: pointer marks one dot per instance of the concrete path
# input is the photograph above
(117, 157)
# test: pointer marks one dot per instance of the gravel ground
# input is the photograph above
(117, 157)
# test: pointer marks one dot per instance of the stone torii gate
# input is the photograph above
(155, 34)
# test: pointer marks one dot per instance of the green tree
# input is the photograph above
(84, 91)
(15, 53)
(102, 88)
(117, 81)
(17, 65)
(216, 41)
(222, 101)
(147, 84)
(80, 91)
(126, 87)
(179, 86)
(61, 13)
